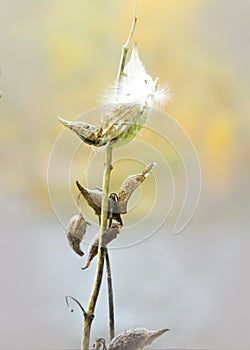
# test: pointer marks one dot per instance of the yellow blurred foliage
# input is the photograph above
(72, 52)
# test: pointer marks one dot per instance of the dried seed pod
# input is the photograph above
(93, 197)
(109, 235)
(122, 122)
(75, 232)
(100, 344)
(129, 186)
(90, 134)
(129, 106)
(135, 339)
(114, 209)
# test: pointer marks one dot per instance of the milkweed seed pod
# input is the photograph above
(93, 198)
(100, 344)
(114, 209)
(135, 339)
(117, 203)
(119, 125)
(90, 134)
(108, 236)
(129, 106)
(130, 185)
(75, 232)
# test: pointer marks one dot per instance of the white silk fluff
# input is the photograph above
(137, 86)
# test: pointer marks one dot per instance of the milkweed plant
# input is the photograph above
(129, 103)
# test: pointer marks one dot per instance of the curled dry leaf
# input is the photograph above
(109, 235)
(129, 186)
(75, 232)
(135, 339)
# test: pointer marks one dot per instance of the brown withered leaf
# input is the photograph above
(130, 185)
(109, 235)
(75, 232)
(93, 197)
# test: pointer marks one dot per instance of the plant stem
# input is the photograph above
(120, 74)
(101, 251)
(89, 314)
(124, 54)
(110, 297)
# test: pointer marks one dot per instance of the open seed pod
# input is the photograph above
(75, 232)
(109, 235)
(130, 185)
(128, 107)
(93, 198)
(117, 203)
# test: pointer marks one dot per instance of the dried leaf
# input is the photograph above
(109, 235)
(134, 339)
(75, 232)
(129, 186)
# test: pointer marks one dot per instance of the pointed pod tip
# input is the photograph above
(155, 334)
(86, 266)
(63, 121)
(161, 331)
(165, 330)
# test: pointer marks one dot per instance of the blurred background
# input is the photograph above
(56, 57)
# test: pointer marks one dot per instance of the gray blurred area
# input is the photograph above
(196, 283)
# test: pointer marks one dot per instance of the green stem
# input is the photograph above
(124, 54)
(110, 297)
(89, 316)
